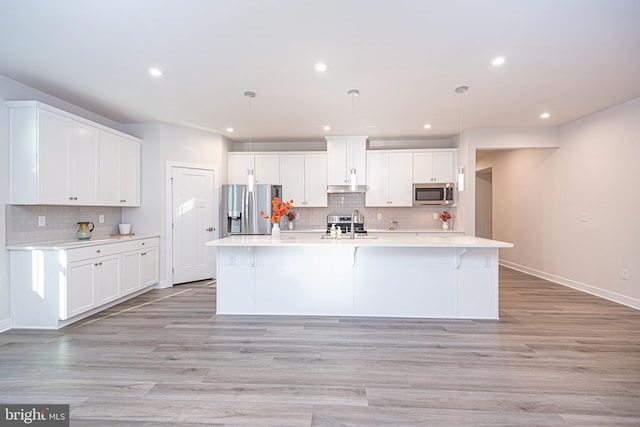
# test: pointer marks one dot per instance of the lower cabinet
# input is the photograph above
(52, 287)
(140, 264)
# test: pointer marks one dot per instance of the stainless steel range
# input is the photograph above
(344, 221)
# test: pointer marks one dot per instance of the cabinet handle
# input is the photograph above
(97, 251)
(143, 243)
(209, 229)
(143, 253)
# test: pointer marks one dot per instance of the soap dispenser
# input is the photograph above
(332, 232)
(339, 233)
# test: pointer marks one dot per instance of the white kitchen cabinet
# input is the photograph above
(52, 286)
(140, 264)
(389, 177)
(434, 166)
(55, 157)
(119, 171)
(343, 154)
(83, 169)
(266, 167)
(304, 179)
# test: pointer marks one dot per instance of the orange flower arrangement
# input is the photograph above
(445, 216)
(280, 209)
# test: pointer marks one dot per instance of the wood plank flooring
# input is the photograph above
(556, 357)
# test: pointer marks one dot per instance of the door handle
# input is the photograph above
(209, 229)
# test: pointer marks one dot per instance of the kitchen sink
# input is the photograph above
(347, 237)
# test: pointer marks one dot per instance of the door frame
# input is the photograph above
(168, 199)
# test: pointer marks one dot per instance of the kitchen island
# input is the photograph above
(398, 276)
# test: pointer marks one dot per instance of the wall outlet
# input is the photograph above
(435, 215)
(101, 219)
(42, 221)
(625, 274)
(584, 216)
(379, 217)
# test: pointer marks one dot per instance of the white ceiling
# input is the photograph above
(568, 57)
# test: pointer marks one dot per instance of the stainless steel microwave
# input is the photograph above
(433, 194)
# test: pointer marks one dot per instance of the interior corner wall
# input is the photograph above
(571, 212)
(163, 143)
(5, 291)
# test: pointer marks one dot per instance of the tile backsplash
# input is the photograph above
(416, 217)
(61, 222)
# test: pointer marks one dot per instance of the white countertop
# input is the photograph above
(402, 241)
(379, 230)
(72, 244)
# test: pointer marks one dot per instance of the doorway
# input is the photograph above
(484, 203)
(193, 222)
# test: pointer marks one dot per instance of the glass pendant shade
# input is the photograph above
(353, 179)
(250, 181)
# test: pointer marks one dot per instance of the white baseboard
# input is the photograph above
(5, 325)
(602, 293)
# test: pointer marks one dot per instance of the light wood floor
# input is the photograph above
(557, 357)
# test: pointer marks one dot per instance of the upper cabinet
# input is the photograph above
(304, 179)
(56, 159)
(266, 167)
(434, 166)
(343, 154)
(389, 179)
(119, 172)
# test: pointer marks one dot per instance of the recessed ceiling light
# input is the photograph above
(155, 72)
(545, 115)
(327, 128)
(498, 61)
(427, 126)
(230, 130)
(321, 67)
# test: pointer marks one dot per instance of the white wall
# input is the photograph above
(540, 197)
(161, 144)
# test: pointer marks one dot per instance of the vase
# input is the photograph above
(275, 231)
(290, 225)
(445, 225)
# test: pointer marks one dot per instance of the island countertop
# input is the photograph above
(398, 240)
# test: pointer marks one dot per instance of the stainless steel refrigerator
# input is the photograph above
(240, 209)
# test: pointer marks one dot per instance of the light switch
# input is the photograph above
(101, 219)
(42, 221)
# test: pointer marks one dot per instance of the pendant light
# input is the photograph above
(353, 177)
(461, 90)
(251, 181)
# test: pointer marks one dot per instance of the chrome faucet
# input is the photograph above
(353, 231)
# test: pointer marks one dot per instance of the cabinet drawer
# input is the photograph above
(134, 245)
(92, 252)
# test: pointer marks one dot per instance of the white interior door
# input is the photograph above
(193, 224)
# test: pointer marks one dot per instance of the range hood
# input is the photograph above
(331, 189)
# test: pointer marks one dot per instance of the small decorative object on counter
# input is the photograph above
(280, 209)
(445, 217)
(84, 230)
(275, 231)
(339, 233)
(333, 231)
(291, 216)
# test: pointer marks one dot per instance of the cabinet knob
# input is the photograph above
(97, 250)
(143, 253)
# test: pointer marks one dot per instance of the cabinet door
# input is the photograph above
(267, 168)
(444, 166)
(54, 134)
(377, 179)
(149, 267)
(423, 168)
(130, 272)
(80, 288)
(107, 279)
(400, 179)
(315, 180)
(337, 162)
(83, 164)
(109, 169)
(292, 177)
(238, 165)
(129, 173)
(357, 158)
